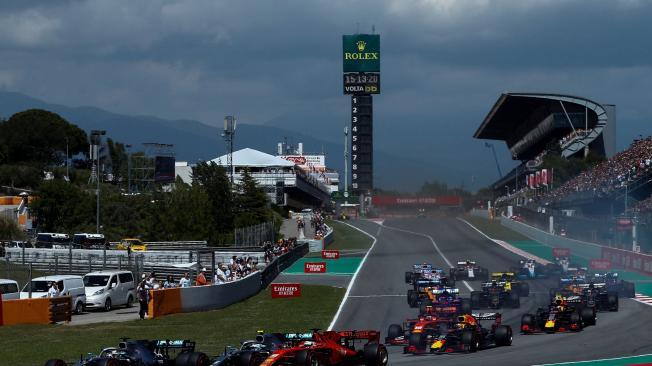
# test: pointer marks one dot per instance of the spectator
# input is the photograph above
(185, 280)
(53, 291)
(169, 282)
(152, 282)
(201, 278)
(143, 297)
(219, 276)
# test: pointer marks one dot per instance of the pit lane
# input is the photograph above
(375, 299)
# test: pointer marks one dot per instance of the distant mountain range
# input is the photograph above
(195, 141)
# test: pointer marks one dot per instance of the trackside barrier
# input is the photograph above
(212, 297)
(26, 311)
(625, 259)
(201, 298)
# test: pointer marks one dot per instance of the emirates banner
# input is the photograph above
(626, 259)
(281, 290)
(544, 177)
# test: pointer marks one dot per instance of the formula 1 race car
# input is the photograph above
(531, 269)
(464, 334)
(565, 314)
(428, 272)
(511, 283)
(469, 270)
(614, 284)
(399, 335)
(423, 291)
(445, 296)
(494, 295)
(598, 297)
(145, 353)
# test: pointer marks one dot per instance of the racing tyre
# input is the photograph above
(628, 289)
(394, 330)
(588, 316)
(503, 335)
(417, 340)
(247, 358)
(55, 363)
(612, 301)
(452, 274)
(107, 304)
(470, 340)
(375, 354)
(79, 307)
(527, 320)
(307, 358)
(412, 298)
(551, 294)
(465, 306)
(484, 275)
(524, 289)
(576, 319)
(475, 299)
(108, 362)
(408, 277)
(514, 300)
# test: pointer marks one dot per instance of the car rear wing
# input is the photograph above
(302, 336)
(487, 316)
(167, 344)
(499, 274)
(450, 290)
(442, 309)
(464, 263)
(371, 335)
(422, 266)
(489, 284)
(573, 299)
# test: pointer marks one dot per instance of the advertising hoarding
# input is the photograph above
(164, 169)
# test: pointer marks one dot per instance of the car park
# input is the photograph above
(106, 289)
(69, 285)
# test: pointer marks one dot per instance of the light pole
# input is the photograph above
(228, 135)
(96, 141)
(67, 161)
(129, 168)
(491, 146)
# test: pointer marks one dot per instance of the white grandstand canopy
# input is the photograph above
(253, 158)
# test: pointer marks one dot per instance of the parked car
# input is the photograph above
(9, 289)
(68, 285)
(106, 289)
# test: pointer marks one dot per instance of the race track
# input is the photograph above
(377, 298)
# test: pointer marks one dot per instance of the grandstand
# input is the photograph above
(531, 123)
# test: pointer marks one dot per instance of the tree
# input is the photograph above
(214, 181)
(119, 162)
(38, 137)
(63, 207)
(251, 202)
(9, 229)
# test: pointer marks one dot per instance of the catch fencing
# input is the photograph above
(256, 235)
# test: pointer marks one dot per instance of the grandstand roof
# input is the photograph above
(253, 158)
(511, 110)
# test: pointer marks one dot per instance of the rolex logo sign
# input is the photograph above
(361, 53)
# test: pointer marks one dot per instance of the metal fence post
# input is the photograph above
(104, 259)
(119, 262)
(23, 255)
(70, 258)
(90, 263)
(56, 264)
(30, 280)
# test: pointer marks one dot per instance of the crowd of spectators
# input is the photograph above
(571, 136)
(318, 224)
(613, 174)
(279, 248)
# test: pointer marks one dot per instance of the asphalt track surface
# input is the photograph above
(377, 298)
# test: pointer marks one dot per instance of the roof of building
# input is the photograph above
(253, 158)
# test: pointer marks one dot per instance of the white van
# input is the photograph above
(9, 289)
(68, 285)
(106, 289)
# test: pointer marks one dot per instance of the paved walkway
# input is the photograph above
(289, 229)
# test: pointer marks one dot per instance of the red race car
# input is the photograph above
(333, 348)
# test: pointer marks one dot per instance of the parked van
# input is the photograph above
(106, 289)
(9, 289)
(90, 241)
(68, 285)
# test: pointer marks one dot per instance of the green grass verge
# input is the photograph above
(34, 344)
(494, 229)
(346, 237)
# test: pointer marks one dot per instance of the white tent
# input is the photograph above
(253, 158)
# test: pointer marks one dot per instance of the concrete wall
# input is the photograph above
(213, 297)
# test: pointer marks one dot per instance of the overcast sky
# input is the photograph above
(444, 62)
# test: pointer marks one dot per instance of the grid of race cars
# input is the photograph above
(446, 322)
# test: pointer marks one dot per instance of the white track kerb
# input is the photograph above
(434, 245)
(355, 275)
